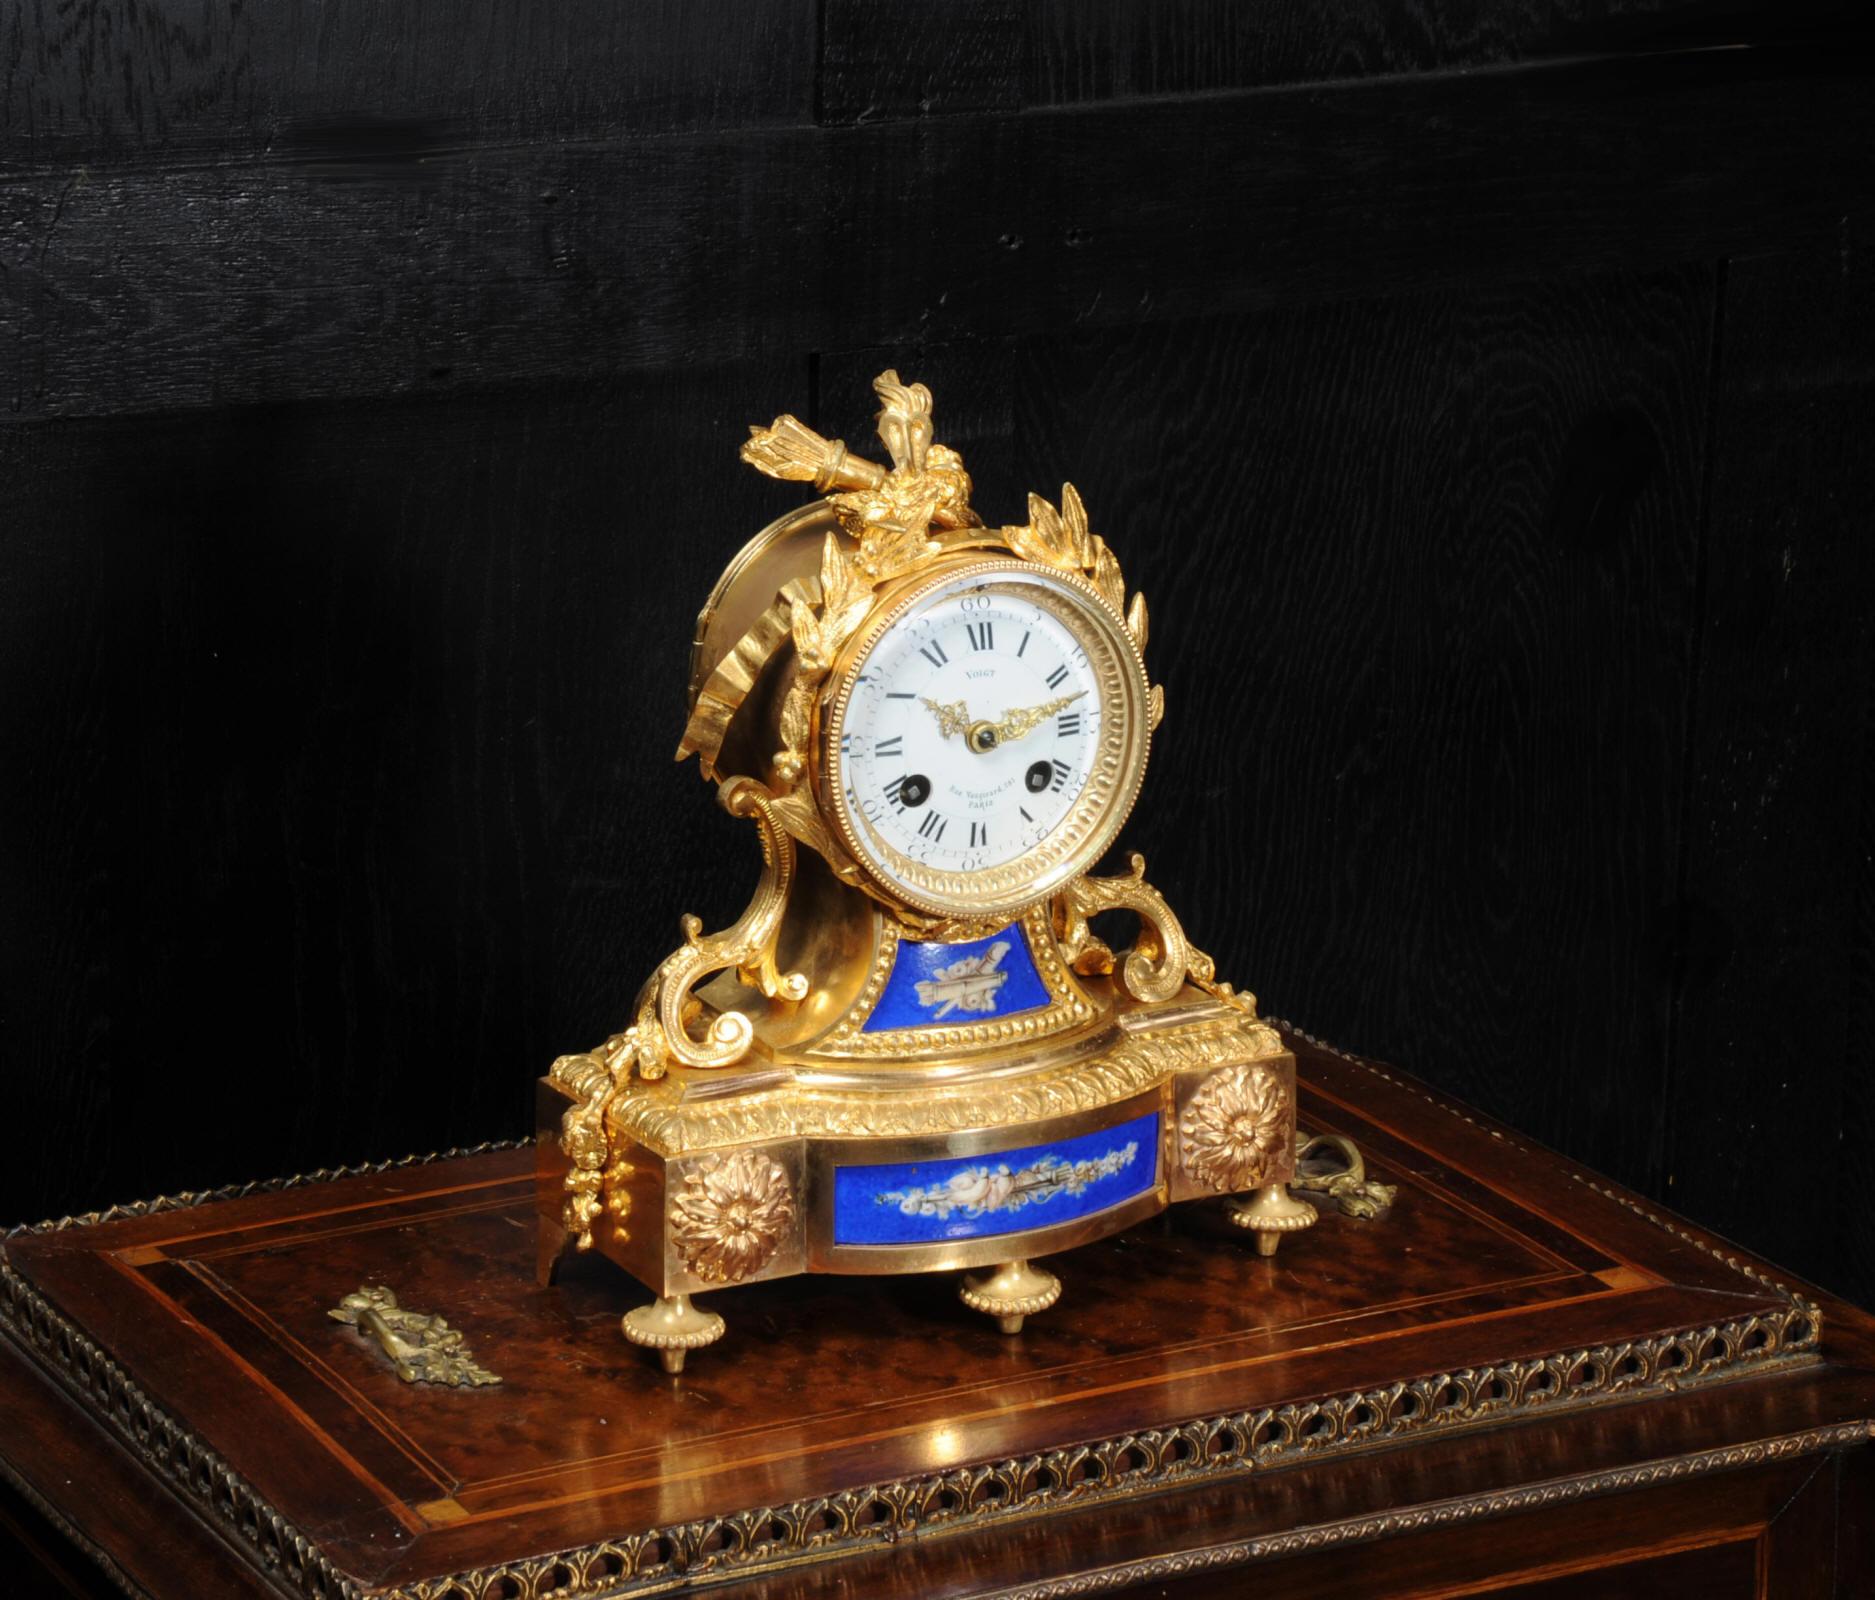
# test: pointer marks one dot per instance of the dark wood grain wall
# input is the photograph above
(1483, 395)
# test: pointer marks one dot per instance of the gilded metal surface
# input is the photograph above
(1136, 622)
(748, 945)
(1063, 540)
(618, 1200)
(689, 1136)
(894, 524)
(188, 1199)
(1162, 960)
(877, 1515)
(1019, 723)
(956, 1255)
(1235, 1125)
(953, 717)
(731, 1213)
(1348, 1186)
(422, 1348)
(591, 1083)
(788, 448)
(1012, 1293)
(670, 1125)
(673, 1327)
(661, 1036)
(819, 629)
(733, 678)
(890, 514)
(1270, 1213)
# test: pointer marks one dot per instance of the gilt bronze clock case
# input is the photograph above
(911, 1053)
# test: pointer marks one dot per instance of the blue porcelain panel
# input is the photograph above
(956, 984)
(927, 1202)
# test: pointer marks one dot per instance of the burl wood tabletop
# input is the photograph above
(1501, 1286)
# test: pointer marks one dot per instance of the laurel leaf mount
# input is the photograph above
(1062, 539)
(818, 629)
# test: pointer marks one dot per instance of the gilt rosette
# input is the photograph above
(1236, 1127)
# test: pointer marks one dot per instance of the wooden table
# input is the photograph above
(1519, 1380)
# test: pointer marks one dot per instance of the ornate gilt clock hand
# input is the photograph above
(953, 719)
(1026, 719)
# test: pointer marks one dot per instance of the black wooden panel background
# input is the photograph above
(1483, 396)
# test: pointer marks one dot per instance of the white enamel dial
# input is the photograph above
(983, 739)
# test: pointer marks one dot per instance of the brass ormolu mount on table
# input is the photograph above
(911, 1053)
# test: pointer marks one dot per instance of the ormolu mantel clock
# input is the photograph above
(910, 1053)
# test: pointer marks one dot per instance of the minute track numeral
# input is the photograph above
(982, 635)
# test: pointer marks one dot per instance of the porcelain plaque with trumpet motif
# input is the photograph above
(911, 1052)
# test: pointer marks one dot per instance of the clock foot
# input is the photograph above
(673, 1327)
(1270, 1213)
(1010, 1293)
